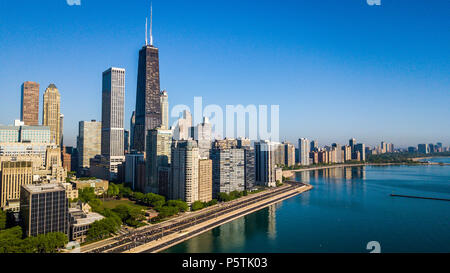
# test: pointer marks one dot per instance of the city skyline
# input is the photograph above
(379, 118)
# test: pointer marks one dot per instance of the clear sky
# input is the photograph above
(338, 69)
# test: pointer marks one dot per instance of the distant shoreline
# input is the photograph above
(290, 173)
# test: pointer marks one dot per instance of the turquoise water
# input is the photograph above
(438, 159)
(348, 208)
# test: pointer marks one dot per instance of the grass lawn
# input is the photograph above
(114, 203)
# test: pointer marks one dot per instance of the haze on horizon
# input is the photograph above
(337, 69)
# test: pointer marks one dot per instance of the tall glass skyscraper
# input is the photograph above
(113, 104)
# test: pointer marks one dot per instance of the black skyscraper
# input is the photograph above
(148, 106)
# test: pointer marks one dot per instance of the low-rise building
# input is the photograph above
(100, 186)
(81, 220)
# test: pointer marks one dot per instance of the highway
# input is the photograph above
(148, 234)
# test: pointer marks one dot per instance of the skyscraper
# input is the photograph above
(148, 101)
(265, 163)
(352, 143)
(182, 130)
(164, 100)
(61, 129)
(29, 106)
(132, 123)
(88, 141)
(205, 180)
(51, 112)
(113, 104)
(159, 142)
(228, 170)
(303, 149)
(184, 171)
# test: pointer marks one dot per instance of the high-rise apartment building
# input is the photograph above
(228, 170)
(361, 148)
(352, 143)
(113, 104)
(88, 141)
(303, 149)
(249, 161)
(159, 145)
(184, 171)
(205, 180)
(203, 134)
(265, 163)
(44, 208)
(289, 154)
(52, 112)
(29, 106)
(314, 147)
(164, 100)
(13, 175)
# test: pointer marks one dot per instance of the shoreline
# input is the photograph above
(194, 231)
(290, 173)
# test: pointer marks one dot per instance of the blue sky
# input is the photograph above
(338, 69)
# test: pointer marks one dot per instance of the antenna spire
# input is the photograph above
(151, 23)
(146, 33)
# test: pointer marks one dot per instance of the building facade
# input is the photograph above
(29, 106)
(159, 149)
(303, 149)
(13, 175)
(148, 101)
(205, 180)
(88, 141)
(44, 208)
(52, 112)
(113, 105)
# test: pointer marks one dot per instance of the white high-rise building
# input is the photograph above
(303, 149)
(203, 135)
(184, 171)
(164, 98)
(113, 104)
(183, 128)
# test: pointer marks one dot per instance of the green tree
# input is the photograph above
(197, 205)
(2, 219)
(180, 205)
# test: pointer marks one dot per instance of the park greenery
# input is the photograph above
(199, 205)
(11, 241)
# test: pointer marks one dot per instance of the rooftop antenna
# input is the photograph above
(146, 33)
(151, 24)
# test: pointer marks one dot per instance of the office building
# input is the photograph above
(13, 175)
(243, 143)
(158, 154)
(44, 208)
(132, 123)
(88, 141)
(52, 113)
(61, 130)
(303, 149)
(24, 134)
(148, 100)
(132, 161)
(29, 106)
(184, 171)
(205, 180)
(126, 141)
(113, 104)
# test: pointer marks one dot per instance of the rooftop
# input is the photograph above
(41, 188)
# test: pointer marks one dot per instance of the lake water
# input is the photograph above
(348, 208)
